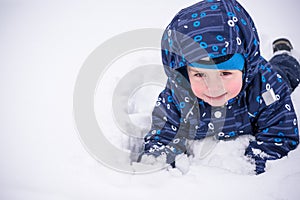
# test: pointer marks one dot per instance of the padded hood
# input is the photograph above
(210, 28)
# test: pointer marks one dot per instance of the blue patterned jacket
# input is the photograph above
(263, 108)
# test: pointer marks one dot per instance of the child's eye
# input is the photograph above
(200, 75)
(225, 73)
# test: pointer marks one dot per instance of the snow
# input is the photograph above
(43, 47)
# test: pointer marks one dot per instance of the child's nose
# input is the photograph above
(215, 84)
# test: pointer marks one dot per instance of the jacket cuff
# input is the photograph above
(258, 157)
(260, 165)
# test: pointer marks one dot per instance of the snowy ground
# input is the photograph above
(43, 47)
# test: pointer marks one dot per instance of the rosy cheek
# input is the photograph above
(197, 88)
(234, 87)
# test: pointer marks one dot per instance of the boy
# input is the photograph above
(219, 85)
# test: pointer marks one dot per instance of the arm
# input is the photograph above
(275, 129)
(163, 138)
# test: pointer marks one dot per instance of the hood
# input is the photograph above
(210, 28)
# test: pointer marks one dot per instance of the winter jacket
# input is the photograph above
(263, 108)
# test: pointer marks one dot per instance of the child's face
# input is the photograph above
(215, 87)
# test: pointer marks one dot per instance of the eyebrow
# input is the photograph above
(195, 70)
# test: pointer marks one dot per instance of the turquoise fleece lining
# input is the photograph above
(236, 62)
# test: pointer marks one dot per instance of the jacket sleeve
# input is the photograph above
(275, 127)
(163, 138)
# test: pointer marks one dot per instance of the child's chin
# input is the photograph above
(217, 104)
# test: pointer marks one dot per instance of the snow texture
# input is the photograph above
(43, 46)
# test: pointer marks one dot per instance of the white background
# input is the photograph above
(42, 47)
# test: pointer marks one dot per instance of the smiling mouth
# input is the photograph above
(217, 98)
